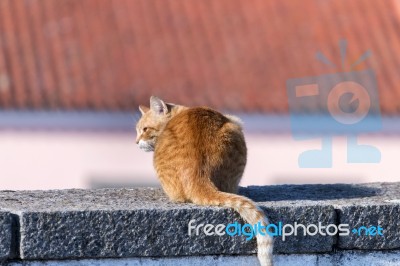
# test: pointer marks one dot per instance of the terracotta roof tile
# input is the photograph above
(230, 54)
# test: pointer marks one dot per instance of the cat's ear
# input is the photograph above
(158, 106)
(143, 109)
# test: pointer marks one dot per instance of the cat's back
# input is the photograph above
(201, 144)
(199, 126)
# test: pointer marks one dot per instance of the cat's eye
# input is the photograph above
(144, 129)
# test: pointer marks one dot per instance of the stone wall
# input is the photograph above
(141, 222)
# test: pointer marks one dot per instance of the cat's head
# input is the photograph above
(152, 122)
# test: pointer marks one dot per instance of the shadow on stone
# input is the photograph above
(308, 192)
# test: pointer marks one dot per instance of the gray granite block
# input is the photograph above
(305, 215)
(6, 236)
(155, 232)
(357, 205)
(362, 219)
(120, 233)
(142, 222)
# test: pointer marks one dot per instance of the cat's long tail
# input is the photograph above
(247, 210)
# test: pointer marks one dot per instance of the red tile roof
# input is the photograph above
(229, 54)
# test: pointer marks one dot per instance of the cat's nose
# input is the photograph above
(137, 140)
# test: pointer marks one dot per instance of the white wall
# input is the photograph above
(56, 160)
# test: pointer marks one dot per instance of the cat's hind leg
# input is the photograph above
(173, 188)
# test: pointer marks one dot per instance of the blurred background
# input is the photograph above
(73, 72)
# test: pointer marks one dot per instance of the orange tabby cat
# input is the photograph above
(200, 156)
